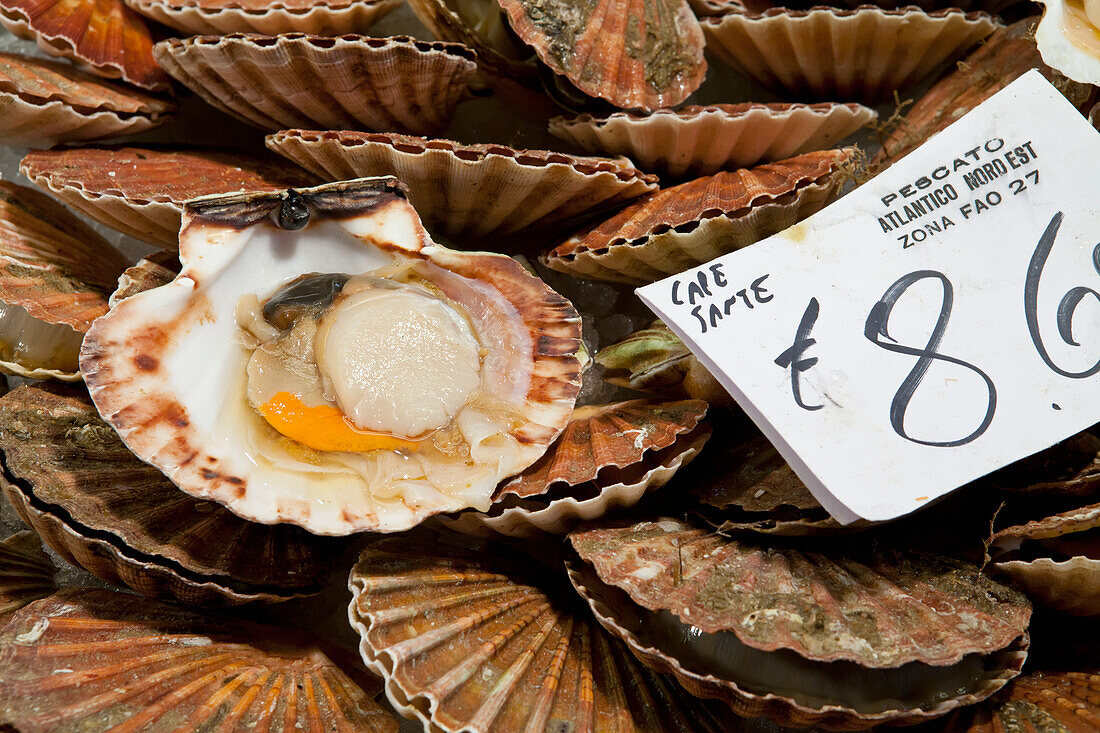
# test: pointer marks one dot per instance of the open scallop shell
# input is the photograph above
(471, 191)
(102, 36)
(598, 47)
(1067, 40)
(700, 141)
(607, 457)
(96, 660)
(689, 224)
(55, 275)
(1066, 702)
(323, 17)
(26, 573)
(147, 391)
(828, 53)
(476, 642)
(352, 82)
(140, 191)
(46, 102)
(1029, 555)
(70, 478)
(844, 641)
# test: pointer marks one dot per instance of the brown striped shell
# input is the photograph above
(470, 191)
(55, 275)
(1055, 559)
(140, 191)
(152, 271)
(700, 141)
(1070, 468)
(68, 476)
(694, 222)
(608, 457)
(828, 53)
(488, 640)
(844, 638)
(1041, 702)
(87, 659)
(102, 36)
(26, 573)
(348, 82)
(324, 17)
(46, 102)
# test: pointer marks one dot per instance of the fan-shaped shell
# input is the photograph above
(1004, 56)
(26, 573)
(700, 141)
(1072, 584)
(164, 415)
(607, 457)
(152, 271)
(689, 224)
(1065, 702)
(1067, 40)
(471, 191)
(295, 80)
(45, 102)
(140, 191)
(55, 274)
(102, 36)
(69, 477)
(473, 641)
(599, 47)
(828, 53)
(1069, 468)
(324, 17)
(94, 659)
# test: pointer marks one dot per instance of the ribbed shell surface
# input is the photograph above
(26, 573)
(331, 17)
(348, 82)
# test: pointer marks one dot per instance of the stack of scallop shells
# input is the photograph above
(553, 516)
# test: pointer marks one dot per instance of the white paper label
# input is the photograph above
(937, 323)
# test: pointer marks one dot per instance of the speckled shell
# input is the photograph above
(86, 660)
(687, 225)
(599, 47)
(1059, 50)
(1071, 585)
(1041, 702)
(70, 478)
(827, 53)
(352, 82)
(881, 611)
(323, 17)
(26, 573)
(471, 191)
(475, 641)
(607, 458)
(1004, 56)
(102, 36)
(54, 268)
(46, 102)
(130, 365)
(140, 191)
(700, 141)
(159, 268)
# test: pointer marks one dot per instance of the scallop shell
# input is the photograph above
(70, 478)
(700, 141)
(159, 268)
(1069, 468)
(1004, 56)
(1067, 41)
(781, 613)
(323, 17)
(692, 223)
(1071, 585)
(86, 660)
(471, 191)
(26, 574)
(597, 46)
(295, 80)
(45, 102)
(828, 53)
(137, 379)
(607, 457)
(55, 274)
(102, 36)
(475, 641)
(1061, 702)
(140, 191)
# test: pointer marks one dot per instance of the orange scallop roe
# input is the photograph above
(324, 427)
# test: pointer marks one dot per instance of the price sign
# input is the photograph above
(937, 323)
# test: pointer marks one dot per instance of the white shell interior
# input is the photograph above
(1068, 38)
